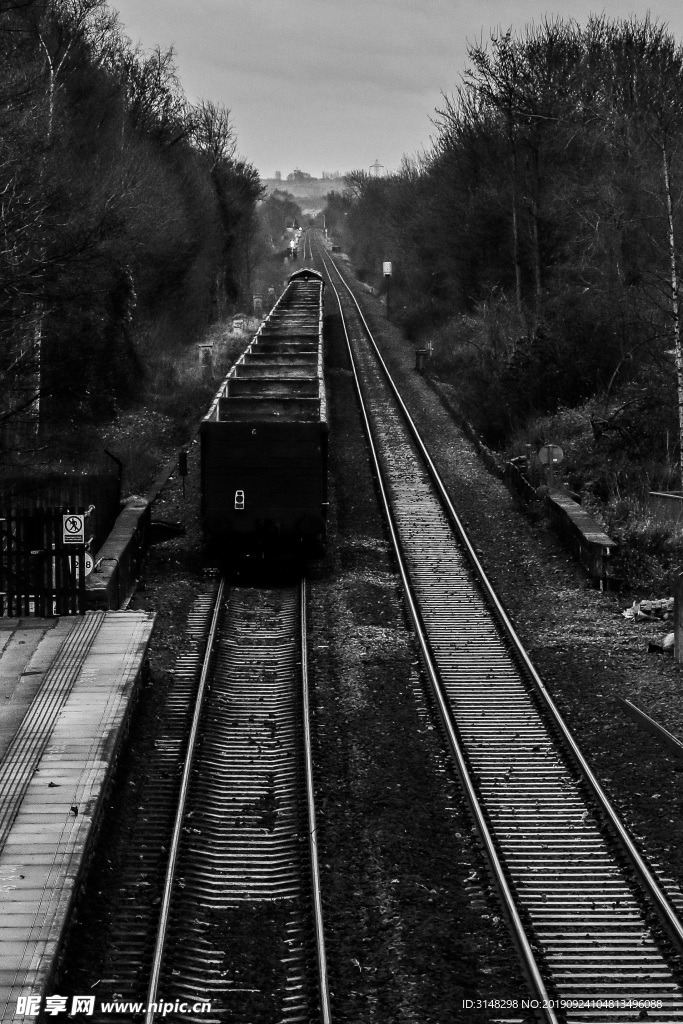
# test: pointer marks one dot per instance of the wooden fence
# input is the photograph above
(40, 575)
(32, 491)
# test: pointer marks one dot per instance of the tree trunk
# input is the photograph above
(35, 412)
(515, 223)
(537, 255)
(678, 354)
(535, 235)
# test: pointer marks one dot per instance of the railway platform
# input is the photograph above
(66, 689)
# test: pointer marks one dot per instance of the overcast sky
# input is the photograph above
(330, 85)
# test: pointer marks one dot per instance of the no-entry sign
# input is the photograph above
(73, 529)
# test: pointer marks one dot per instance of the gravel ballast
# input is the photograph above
(412, 927)
(586, 652)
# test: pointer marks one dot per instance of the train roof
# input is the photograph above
(306, 274)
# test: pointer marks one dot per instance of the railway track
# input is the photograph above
(598, 938)
(229, 816)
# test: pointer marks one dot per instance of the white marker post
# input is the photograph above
(386, 270)
(551, 455)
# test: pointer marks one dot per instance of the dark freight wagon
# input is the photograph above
(264, 439)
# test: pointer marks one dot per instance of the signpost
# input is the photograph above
(386, 270)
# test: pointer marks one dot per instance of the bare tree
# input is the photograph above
(531, 82)
(59, 27)
(56, 29)
(154, 99)
(213, 132)
(643, 102)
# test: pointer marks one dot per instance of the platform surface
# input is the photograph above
(27, 649)
(65, 689)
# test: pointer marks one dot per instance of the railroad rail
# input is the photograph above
(598, 938)
(235, 867)
(228, 816)
(307, 245)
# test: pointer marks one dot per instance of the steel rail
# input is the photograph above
(323, 984)
(665, 910)
(180, 812)
(529, 961)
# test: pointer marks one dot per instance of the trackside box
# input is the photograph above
(264, 439)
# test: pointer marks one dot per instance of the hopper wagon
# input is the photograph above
(264, 439)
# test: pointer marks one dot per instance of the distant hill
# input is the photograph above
(309, 193)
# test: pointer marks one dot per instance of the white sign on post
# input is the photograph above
(550, 454)
(73, 529)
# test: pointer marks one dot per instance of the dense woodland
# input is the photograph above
(277, 212)
(538, 242)
(126, 219)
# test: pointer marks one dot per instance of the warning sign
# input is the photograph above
(550, 454)
(73, 529)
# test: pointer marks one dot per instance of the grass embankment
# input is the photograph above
(614, 489)
(173, 392)
(178, 385)
(608, 461)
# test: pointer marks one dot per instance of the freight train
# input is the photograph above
(264, 439)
